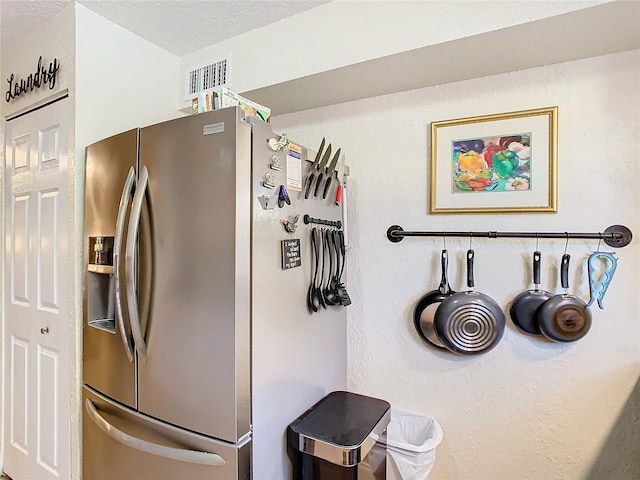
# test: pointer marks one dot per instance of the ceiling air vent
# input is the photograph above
(210, 76)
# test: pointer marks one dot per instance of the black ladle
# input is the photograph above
(335, 280)
(320, 252)
(312, 302)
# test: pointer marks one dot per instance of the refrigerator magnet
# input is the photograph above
(290, 253)
(291, 224)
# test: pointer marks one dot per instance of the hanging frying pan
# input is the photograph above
(564, 317)
(524, 306)
(426, 307)
(469, 322)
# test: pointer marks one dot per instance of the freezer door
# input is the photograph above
(194, 372)
(119, 443)
(108, 361)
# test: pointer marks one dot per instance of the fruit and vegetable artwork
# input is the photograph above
(500, 163)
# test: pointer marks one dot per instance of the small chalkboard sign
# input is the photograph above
(291, 253)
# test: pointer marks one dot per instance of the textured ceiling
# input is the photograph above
(180, 27)
(21, 17)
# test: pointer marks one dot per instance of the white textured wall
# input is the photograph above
(55, 39)
(528, 409)
(341, 33)
(122, 83)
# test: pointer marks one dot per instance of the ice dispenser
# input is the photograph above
(101, 284)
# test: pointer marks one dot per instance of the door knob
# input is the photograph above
(44, 330)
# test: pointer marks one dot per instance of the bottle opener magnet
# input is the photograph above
(598, 287)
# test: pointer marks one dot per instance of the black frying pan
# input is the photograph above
(564, 317)
(469, 322)
(426, 307)
(524, 306)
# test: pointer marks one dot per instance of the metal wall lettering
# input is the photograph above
(41, 77)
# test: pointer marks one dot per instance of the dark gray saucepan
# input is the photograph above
(469, 323)
(425, 310)
(564, 317)
(524, 306)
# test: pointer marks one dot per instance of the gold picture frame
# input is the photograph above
(500, 163)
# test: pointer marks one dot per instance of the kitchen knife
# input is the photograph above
(310, 174)
(329, 172)
(321, 168)
(326, 155)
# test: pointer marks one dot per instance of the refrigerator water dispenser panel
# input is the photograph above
(101, 284)
(101, 254)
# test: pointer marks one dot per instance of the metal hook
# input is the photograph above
(599, 241)
(537, 242)
(444, 240)
(470, 238)
(566, 243)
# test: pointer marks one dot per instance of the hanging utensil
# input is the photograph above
(313, 303)
(328, 292)
(321, 251)
(469, 322)
(425, 310)
(524, 306)
(598, 287)
(564, 317)
(345, 300)
(335, 281)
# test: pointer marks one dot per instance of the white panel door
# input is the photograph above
(36, 301)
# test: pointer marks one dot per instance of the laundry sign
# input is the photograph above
(44, 75)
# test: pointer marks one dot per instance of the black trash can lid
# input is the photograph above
(341, 428)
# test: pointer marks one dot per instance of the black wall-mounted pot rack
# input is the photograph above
(616, 236)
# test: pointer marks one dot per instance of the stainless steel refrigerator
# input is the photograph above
(198, 346)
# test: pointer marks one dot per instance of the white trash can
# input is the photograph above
(411, 445)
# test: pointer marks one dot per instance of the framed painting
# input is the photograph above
(497, 163)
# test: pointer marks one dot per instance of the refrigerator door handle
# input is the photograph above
(181, 454)
(117, 248)
(132, 298)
